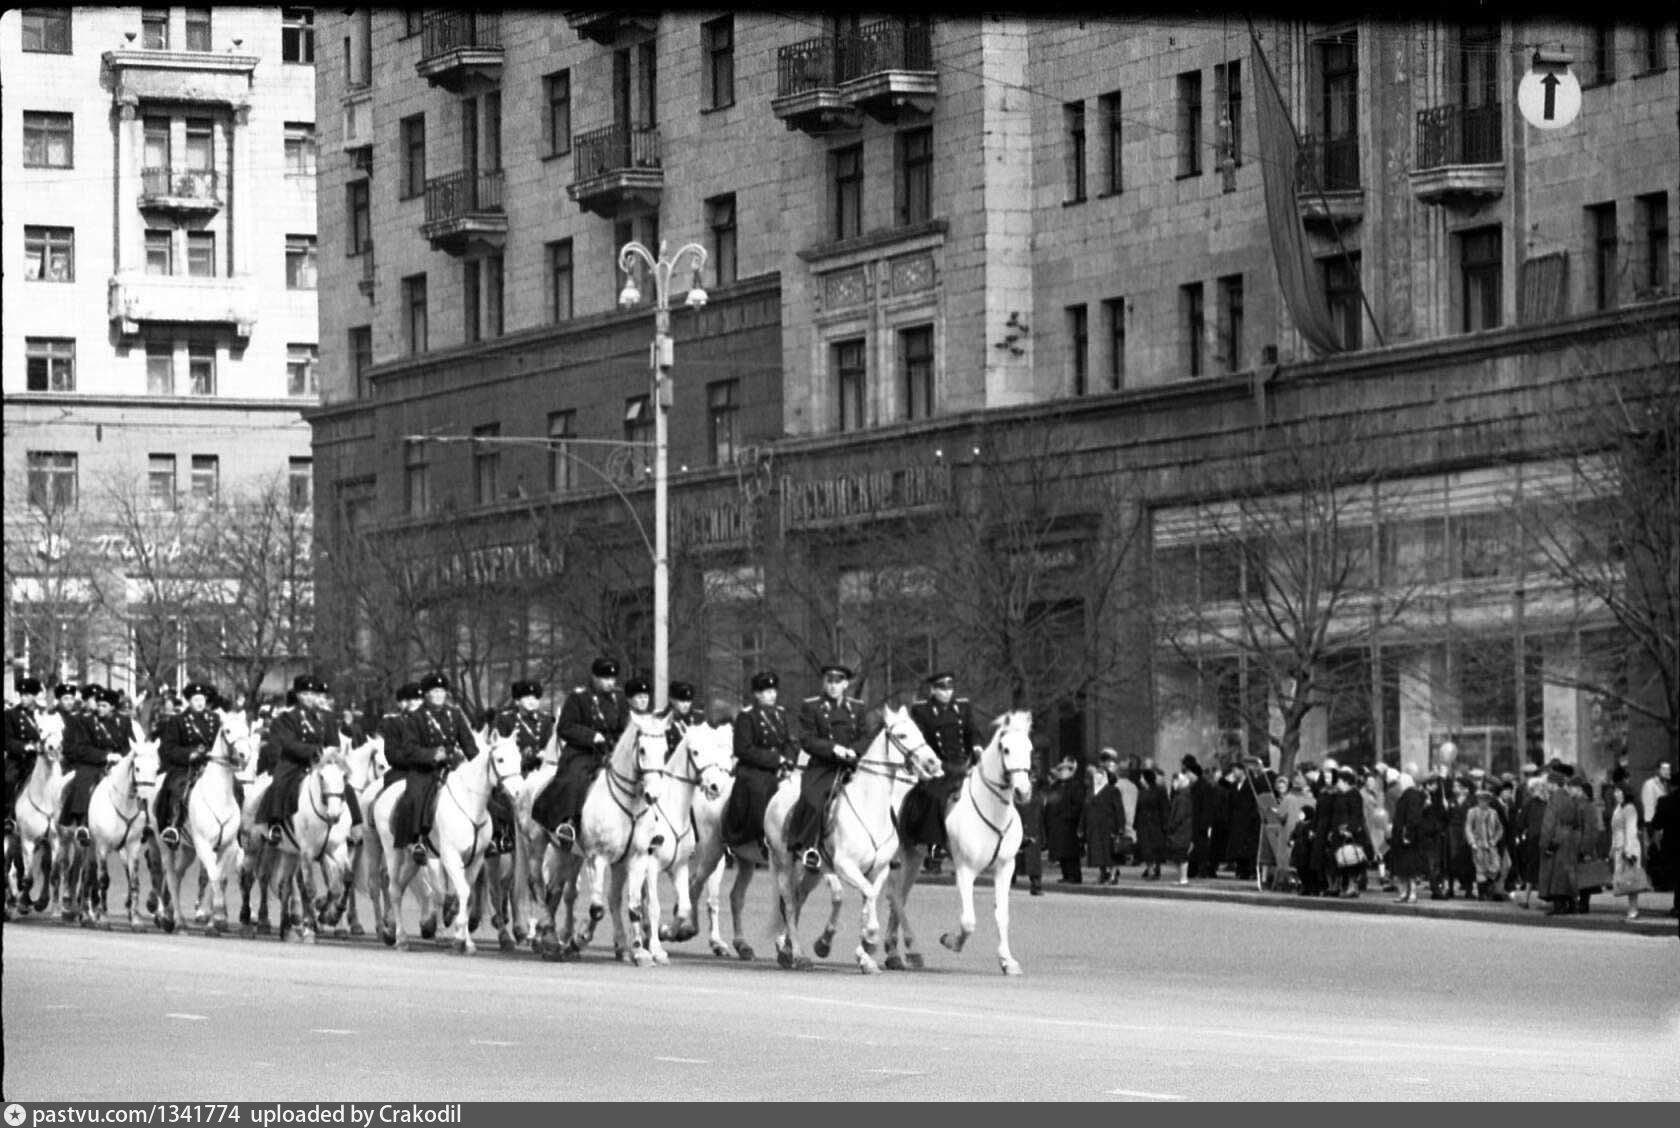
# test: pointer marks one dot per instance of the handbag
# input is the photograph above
(1632, 879)
(1592, 873)
(1349, 855)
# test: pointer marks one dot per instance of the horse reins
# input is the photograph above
(891, 771)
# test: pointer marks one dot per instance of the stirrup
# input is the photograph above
(563, 836)
(811, 859)
(84, 837)
(275, 834)
(417, 851)
(170, 837)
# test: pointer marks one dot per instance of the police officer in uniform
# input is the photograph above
(445, 738)
(833, 729)
(23, 740)
(522, 720)
(405, 757)
(90, 746)
(947, 723)
(638, 692)
(678, 714)
(268, 752)
(764, 747)
(299, 734)
(590, 724)
(184, 741)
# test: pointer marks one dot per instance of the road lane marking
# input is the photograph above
(490, 1042)
(1140, 1094)
(812, 1037)
(329, 1030)
(59, 1006)
(189, 1017)
(900, 1072)
(685, 1061)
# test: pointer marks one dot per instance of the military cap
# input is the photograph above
(108, 696)
(64, 689)
(525, 689)
(604, 668)
(1348, 774)
(838, 671)
(680, 691)
(318, 685)
(300, 684)
(944, 679)
(637, 684)
(409, 691)
(433, 681)
(91, 691)
(29, 686)
(765, 679)
(195, 688)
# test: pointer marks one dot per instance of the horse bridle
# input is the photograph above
(501, 781)
(892, 770)
(1001, 790)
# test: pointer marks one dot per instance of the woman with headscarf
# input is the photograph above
(1433, 836)
(1151, 826)
(1407, 851)
(1180, 826)
(1103, 821)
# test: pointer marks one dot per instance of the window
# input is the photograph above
(414, 157)
(300, 483)
(1113, 177)
(1073, 123)
(1079, 333)
(1190, 123)
(201, 141)
(414, 303)
(206, 477)
(160, 481)
(915, 176)
(487, 463)
(562, 427)
(492, 119)
(297, 35)
(49, 254)
(718, 37)
(160, 368)
(154, 29)
(722, 404)
(850, 373)
(847, 166)
(1231, 321)
(1114, 321)
(361, 359)
(720, 217)
(481, 290)
(51, 364)
(160, 252)
(417, 483)
(359, 217)
(1190, 308)
(1480, 278)
(47, 30)
(201, 368)
(300, 148)
(471, 325)
(1653, 224)
(1601, 53)
(48, 140)
(560, 280)
(52, 479)
(157, 143)
(300, 262)
(915, 366)
(1652, 49)
(638, 428)
(201, 254)
(1601, 233)
(301, 361)
(1338, 62)
(558, 89)
(493, 295)
(1228, 89)
(414, 20)
(1341, 294)
(198, 29)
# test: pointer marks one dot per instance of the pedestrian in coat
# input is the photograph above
(1406, 834)
(1102, 823)
(1151, 824)
(1029, 861)
(1064, 811)
(1627, 854)
(1529, 821)
(1242, 825)
(1560, 845)
(1302, 849)
(1180, 825)
(1663, 840)
(1461, 871)
(1595, 841)
(1340, 824)
(1433, 838)
(1377, 821)
(1482, 834)
(1274, 838)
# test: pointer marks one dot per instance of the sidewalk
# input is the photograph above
(1605, 913)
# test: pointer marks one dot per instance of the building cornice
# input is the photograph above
(172, 403)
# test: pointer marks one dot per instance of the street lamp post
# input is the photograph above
(661, 356)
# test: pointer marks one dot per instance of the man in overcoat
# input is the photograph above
(184, 742)
(441, 729)
(765, 746)
(23, 740)
(947, 724)
(590, 724)
(834, 728)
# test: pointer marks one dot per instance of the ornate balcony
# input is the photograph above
(137, 300)
(617, 171)
(195, 192)
(1460, 159)
(194, 77)
(461, 51)
(808, 88)
(358, 117)
(464, 213)
(607, 25)
(1328, 191)
(886, 69)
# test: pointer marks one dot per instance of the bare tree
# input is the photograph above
(48, 567)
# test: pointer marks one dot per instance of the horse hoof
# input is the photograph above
(955, 943)
(67, 917)
(784, 957)
(666, 935)
(201, 917)
(388, 938)
(803, 963)
(151, 903)
(247, 932)
(357, 930)
(743, 950)
(596, 912)
(914, 961)
(1010, 967)
(895, 963)
(642, 957)
(340, 933)
(306, 937)
(506, 942)
(463, 947)
(450, 904)
(721, 949)
(264, 928)
(219, 926)
(868, 966)
(427, 931)
(822, 944)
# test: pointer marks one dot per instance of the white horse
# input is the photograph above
(984, 831)
(310, 832)
(213, 818)
(618, 796)
(700, 777)
(364, 772)
(862, 839)
(531, 846)
(29, 846)
(118, 818)
(460, 833)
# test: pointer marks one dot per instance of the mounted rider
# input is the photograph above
(764, 747)
(590, 724)
(184, 743)
(92, 743)
(678, 714)
(947, 723)
(443, 738)
(23, 740)
(406, 759)
(523, 720)
(832, 728)
(299, 736)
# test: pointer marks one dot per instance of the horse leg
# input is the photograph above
(456, 877)
(965, 893)
(714, 885)
(645, 911)
(869, 925)
(737, 910)
(1002, 874)
(824, 942)
(789, 952)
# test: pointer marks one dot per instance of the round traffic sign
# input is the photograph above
(1549, 98)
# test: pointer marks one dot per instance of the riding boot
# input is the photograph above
(1037, 889)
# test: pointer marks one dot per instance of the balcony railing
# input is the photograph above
(463, 193)
(885, 46)
(1459, 135)
(812, 64)
(197, 184)
(444, 32)
(614, 147)
(1328, 164)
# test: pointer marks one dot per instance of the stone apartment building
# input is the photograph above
(1002, 275)
(160, 317)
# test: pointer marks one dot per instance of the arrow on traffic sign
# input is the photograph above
(1550, 82)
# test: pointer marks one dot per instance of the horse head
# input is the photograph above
(330, 778)
(140, 765)
(1012, 746)
(904, 737)
(237, 738)
(504, 758)
(711, 749)
(645, 747)
(52, 734)
(362, 763)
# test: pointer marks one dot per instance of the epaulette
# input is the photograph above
(809, 700)
(746, 708)
(959, 701)
(579, 689)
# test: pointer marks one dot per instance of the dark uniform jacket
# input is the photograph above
(589, 711)
(824, 723)
(676, 726)
(950, 730)
(764, 743)
(403, 751)
(87, 740)
(183, 734)
(444, 726)
(531, 729)
(22, 731)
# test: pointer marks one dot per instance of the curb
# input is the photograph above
(1653, 921)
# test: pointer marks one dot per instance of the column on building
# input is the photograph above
(1560, 669)
(241, 193)
(131, 238)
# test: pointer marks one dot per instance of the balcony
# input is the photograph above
(358, 117)
(369, 275)
(808, 88)
(464, 213)
(138, 300)
(461, 51)
(1328, 191)
(886, 69)
(617, 171)
(606, 26)
(1460, 160)
(196, 193)
(193, 77)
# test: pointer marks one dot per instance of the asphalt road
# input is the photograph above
(1121, 1000)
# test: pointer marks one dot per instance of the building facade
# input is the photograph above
(160, 325)
(995, 344)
